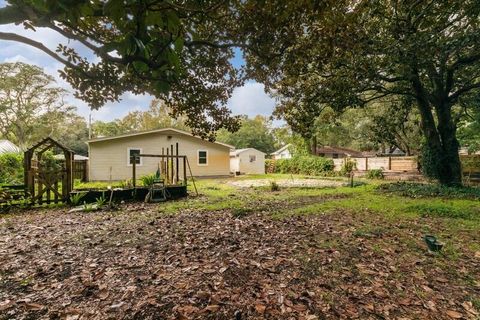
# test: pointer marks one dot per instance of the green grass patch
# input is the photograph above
(443, 211)
(424, 190)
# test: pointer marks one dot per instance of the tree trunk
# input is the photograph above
(440, 158)
(451, 169)
(444, 163)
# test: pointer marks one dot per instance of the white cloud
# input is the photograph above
(251, 100)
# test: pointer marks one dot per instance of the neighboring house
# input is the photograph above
(282, 153)
(247, 161)
(111, 157)
(8, 147)
(337, 152)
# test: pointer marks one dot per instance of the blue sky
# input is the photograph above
(249, 99)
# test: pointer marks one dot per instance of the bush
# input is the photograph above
(348, 166)
(49, 163)
(303, 164)
(11, 168)
(374, 174)
(148, 180)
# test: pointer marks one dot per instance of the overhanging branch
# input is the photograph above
(15, 37)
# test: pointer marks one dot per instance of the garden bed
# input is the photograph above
(128, 194)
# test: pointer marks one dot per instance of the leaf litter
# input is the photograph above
(140, 264)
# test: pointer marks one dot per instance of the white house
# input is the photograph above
(111, 158)
(282, 153)
(247, 161)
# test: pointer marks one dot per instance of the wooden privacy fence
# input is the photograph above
(80, 170)
(394, 164)
(470, 164)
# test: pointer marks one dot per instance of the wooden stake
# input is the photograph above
(176, 153)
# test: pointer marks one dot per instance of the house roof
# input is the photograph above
(340, 150)
(236, 152)
(163, 130)
(282, 149)
(75, 157)
(7, 146)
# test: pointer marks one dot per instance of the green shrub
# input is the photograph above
(75, 198)
(348, 166)
(304, 164)
(11, 168)
(100, 201)
(148, 180)
(49, 163)
(374, 174)
(440, 211)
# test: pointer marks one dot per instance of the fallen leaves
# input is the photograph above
(197, 265)
(454, 314)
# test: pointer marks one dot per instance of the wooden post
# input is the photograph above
(171, 164)
(27, 168)
(366, 163)
(69, 172)
(389, 163)
(134, 172)
(167, 167)
(176, 160)
(185, 170)
(162, 165)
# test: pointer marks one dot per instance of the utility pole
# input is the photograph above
(90, 126)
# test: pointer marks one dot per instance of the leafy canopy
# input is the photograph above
(176, 51)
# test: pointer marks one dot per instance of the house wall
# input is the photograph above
(109, 158)
(234, 164)
(285, 154)
(255, 167)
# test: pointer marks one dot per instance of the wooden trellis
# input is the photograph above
(43, 185)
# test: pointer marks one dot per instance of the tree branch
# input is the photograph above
(15, 37)
(454, 96)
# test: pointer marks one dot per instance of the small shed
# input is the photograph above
(247, 161)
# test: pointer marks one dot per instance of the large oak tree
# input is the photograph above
(349, 53)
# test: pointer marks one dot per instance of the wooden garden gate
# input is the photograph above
(43, 184)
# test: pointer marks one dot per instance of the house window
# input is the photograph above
(253, 158)
(202, 157)
(134, 152)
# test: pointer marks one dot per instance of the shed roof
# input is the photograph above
(238, 151)
(339, 150)
(7, 146)
(163, 130)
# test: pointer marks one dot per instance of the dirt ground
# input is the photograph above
(138, 263)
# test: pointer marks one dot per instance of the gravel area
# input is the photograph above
(287, 183)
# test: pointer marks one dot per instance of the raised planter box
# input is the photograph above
(138, 194)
